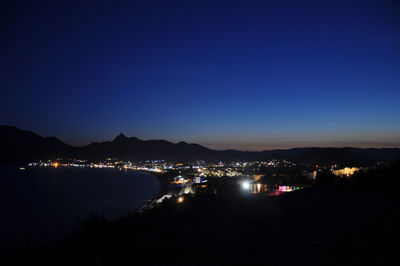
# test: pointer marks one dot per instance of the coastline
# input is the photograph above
(304, 227)
(235, 229)
(72, 202)
(164, 180)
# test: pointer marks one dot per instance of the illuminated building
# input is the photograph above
(259, 188)
(346, 171)
(257, 177)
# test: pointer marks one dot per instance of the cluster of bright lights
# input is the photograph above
(288, 188)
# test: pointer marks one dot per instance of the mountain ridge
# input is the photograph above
(22, 146)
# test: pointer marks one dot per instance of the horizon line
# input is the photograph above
(279, 146)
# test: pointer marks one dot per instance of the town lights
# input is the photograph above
(180, 199)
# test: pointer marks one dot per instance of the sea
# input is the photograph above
(43, 205)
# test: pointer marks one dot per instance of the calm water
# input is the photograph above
(41, 205)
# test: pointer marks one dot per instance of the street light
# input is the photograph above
(246, 185)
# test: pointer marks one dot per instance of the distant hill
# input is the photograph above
(20, 146)
(136, 149)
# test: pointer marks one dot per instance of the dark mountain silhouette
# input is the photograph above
(136, 149)
(20, 146)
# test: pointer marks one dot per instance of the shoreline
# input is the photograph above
(165, 189)
(70, 224)
(303, 227)
(222, 224)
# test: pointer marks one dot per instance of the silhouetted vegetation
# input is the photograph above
(383, 174)
(328, 178)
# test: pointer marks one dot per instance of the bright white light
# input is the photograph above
(245, 185)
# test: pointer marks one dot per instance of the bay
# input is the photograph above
(40, 205)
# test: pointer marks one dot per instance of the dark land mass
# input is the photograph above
(20, 147)
(348, 222)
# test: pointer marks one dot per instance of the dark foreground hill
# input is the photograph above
(331, 224)
(20, 146)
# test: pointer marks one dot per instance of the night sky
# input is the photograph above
(248, 75)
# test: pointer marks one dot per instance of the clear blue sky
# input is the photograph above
(248, 75)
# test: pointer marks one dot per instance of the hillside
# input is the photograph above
(21, 146)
